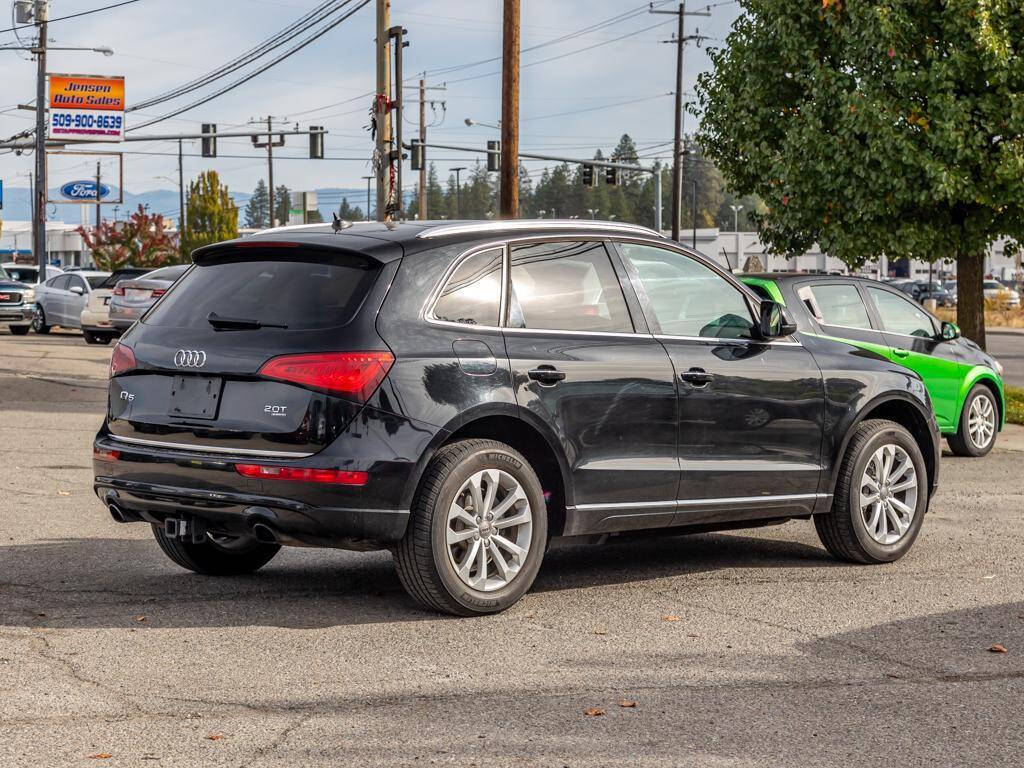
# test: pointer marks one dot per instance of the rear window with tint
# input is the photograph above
(301, 293)
(166, 273)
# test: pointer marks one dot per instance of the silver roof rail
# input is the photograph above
(516, 225)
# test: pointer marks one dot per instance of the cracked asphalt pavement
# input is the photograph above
(780, 656)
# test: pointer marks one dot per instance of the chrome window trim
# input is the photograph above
(558, 332)
(539, 225)
(211, 448)
(435, 295)
(794, 342)
(699, 502)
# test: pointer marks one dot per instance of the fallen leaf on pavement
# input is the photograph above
(600, 631)
(215, 736)
(670, 618)
(997, 648)
(593, 711)
(140, 618)
(626, 703)
(63, 493)
(100, 756)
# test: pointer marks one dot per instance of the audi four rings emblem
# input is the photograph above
(190, 358)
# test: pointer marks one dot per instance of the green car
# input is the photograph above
(965, 383)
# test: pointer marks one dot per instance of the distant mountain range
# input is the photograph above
(17, 204)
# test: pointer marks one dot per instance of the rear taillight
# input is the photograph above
(119, 290)
(303, 474)
(355, 374)
(158, 292)
(122, 360)
(103, 454)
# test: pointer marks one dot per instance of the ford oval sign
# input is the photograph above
(84, 190)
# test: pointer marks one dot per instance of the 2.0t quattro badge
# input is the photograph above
(190, 358)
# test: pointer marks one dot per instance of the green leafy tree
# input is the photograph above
(257, 210)
(141, 241)
(874, 128)
(282, 205)
(212, 214)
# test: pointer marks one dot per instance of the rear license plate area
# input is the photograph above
(195, 397)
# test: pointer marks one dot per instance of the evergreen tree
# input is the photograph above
(282, 204)
(257, 210)
(436, 205)
(347, 213)
(212, 214)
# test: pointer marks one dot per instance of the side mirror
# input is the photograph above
(775, 321)
(77, 290)
(949, 331)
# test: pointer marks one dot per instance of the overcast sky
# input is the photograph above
(569, 106)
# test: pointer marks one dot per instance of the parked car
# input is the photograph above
(459, 392)
(17, 303)
(1006, 298)
(28, 273)
(61, 299)
(132, 298)
(95, 318)
(936, 291)
(964, 381)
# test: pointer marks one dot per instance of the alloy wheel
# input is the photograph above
(888, 494)
(488, 530)
(981, 421)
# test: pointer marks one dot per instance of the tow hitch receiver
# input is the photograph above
(186, 529)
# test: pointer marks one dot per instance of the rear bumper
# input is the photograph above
(292, 522)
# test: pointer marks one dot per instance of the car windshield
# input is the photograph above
(21, 274)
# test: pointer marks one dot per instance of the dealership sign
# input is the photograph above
(86, 108)
(84, 191)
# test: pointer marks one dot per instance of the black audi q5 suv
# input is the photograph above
(461, 392)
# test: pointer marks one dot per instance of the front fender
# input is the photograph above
(977, 374)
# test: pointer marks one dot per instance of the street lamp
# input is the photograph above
(540, 213)
(470, 122)
(458, 190)
(593, 212)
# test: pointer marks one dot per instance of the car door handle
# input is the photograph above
(698, 377)
(901, 352)
(547, 374)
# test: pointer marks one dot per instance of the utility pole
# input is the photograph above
(423, 137)
(42, 15)
(181, 197)
(458, 190)
(269, 144)
(99, 196)
(369, 179)
(677, 145)
(382, 108)
(509, 188)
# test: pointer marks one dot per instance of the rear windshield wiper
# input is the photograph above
(239, 323)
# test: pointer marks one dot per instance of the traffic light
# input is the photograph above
(417, 155)
(611, 176)
(316, 142)
(209, 142)
(493, 155)
(588, 176)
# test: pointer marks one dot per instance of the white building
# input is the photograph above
(63, 244)
(732, 249)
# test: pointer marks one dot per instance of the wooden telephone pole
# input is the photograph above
(382, 107)
(510, 111)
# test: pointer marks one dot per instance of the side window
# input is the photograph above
(688, 298)
(472, 294)
(841, 304)
(902, 316)
(567, 286)
(60, 282)
(77, 281)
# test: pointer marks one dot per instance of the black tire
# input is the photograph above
(212, 559)
(39, 321)
(961, 443)
(96, 338)
(843, 530)
(19, 330)
(422, 558)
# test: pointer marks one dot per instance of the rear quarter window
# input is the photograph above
(300, 291)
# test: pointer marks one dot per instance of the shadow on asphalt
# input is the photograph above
(90, 583)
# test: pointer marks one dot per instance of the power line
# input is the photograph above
(293, 30)
(70, 16)
(260, 70)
